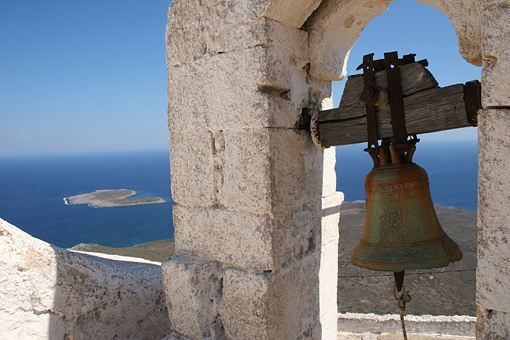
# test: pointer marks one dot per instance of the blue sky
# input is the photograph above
(86, 76)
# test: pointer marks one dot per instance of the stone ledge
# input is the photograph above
(372, 326)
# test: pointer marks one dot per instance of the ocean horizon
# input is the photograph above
(33, 190)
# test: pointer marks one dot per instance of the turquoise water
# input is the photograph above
(32, 190)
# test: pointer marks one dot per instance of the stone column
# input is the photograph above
(256, 214)
(493, 270)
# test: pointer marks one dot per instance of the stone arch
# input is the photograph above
(336, 25)
(254, 202)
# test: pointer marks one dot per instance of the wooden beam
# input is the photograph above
(415, 78)
(432, 110)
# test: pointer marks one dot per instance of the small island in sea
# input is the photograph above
(112, 198)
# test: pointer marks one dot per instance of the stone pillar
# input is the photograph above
(493, 270)
(256, 214)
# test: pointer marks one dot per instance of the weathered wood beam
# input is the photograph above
(432, 110)
(415, 78)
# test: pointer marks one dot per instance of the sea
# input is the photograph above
(32, 190)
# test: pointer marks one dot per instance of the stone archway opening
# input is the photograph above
(453, 287)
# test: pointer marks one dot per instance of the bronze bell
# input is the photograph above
(401, 231)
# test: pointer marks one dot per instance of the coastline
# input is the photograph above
(111, 198)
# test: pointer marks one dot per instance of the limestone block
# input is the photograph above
(264, 86)
(496, 58)
(267, 170)
(493, 269)
(192, 168)
(303, 230)
(280, 305)
(247, 170)
(50, 293)
(196, 28)
(235, 238)
(244, 310)
(294, 299)
(492, 325)
(193, 293)
(297, 233)
(251, 240)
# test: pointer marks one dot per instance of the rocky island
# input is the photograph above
(112, 198)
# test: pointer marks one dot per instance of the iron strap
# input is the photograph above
(369, 95)
(396, 100)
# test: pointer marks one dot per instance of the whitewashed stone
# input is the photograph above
(193, 290)
(50, 293)
(267, 170)
(496, 56)
(192, 168)
(493, 269)
(235, 238)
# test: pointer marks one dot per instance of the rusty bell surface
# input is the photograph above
(401, 231)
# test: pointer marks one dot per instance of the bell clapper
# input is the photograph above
(402, 299)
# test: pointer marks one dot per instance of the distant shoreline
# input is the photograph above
(111, 198)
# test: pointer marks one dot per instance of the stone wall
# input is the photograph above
(50, 293)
